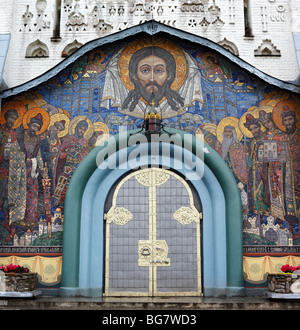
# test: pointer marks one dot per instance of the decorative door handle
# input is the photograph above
(145, 252)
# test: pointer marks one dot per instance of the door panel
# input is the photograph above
(153, 237)
(181, 239)
(124, 273)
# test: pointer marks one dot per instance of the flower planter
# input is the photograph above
(18, 282)
(281, 283)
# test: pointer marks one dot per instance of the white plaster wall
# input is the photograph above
(271, 19)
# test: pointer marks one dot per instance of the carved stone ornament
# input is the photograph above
(267, 48)
(76, 20)
(195, 6)
(119, 215)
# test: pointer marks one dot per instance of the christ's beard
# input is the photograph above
(149, 97)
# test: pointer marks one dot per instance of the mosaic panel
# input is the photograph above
(47, 131)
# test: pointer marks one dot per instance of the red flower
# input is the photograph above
(14, 269)
(289, 269)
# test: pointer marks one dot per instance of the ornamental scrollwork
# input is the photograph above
(186, 215)
(119, 215)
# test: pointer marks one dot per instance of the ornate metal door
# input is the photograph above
(153, 236)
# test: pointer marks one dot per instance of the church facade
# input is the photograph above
(151, 162)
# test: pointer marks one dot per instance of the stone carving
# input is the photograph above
(41, 5)
(27, 16)
(208, 16)
(214, 10)
(121, 10)
(218, 23)
(279, 15)
(41, 22)
(140, 9)
(76, 20)
(67, 6)
(103, 27)
(231, 12)
(96, 15)
(204, 23)
(112, 10)
(229, 46)
(37, 49)
(105, 18)
(100, 25)
(267, 48)
(71, 48)
(160, 10)
(264, 16)
(196, 6)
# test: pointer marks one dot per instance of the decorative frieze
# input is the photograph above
(196, 6)
(76, 20)
(212, 19)
(35, 22)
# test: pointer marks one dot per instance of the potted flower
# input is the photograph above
(281, 282)
(287, 269)
(16, 278)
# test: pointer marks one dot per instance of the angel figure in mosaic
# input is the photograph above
(73, 149)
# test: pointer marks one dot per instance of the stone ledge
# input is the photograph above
(285, 296)
(17, 294)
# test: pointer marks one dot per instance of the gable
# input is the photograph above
(206, 91)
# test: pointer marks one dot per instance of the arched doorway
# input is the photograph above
(84, 241)
(152, 234)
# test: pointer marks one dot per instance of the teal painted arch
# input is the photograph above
(75, 279)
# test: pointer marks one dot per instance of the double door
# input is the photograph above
(153, 243)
